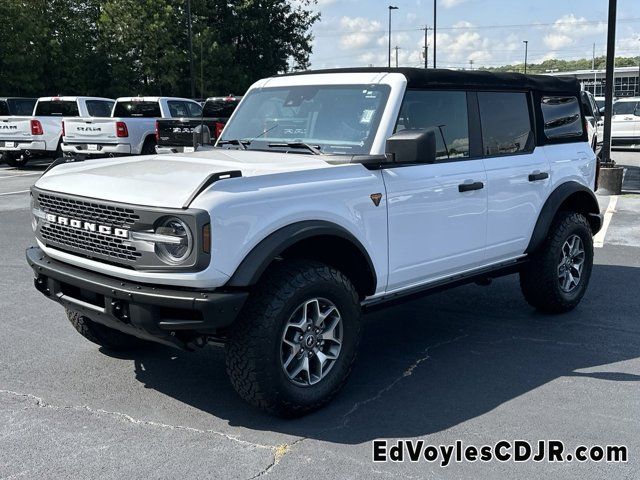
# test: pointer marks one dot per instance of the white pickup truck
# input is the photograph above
(25, 137)
(130, 130)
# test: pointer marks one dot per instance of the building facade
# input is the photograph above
(626, 81)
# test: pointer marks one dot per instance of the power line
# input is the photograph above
(338, 33)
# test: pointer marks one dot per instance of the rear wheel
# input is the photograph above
(16, 160)
(557, 275)
(149, 147)
(104, 336)
(294, 344)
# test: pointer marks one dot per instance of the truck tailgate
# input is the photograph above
(183, 132)
(89, 130)
(15, 128)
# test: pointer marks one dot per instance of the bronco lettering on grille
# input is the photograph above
(89, 226)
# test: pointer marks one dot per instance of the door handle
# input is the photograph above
(467, 187)
(538, 176)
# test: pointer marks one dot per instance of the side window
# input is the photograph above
(195, 110)
(506, 123)
(624, 108)
(561, 117)
(446, 111)
(99, 108)
(177, 108)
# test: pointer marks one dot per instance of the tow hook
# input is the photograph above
(120, 311)
(42, 285)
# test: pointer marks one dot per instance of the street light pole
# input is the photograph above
(435, 26)
(608, 85)
(391, 7)
(526, 51)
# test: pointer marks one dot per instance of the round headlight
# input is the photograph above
(179, 242)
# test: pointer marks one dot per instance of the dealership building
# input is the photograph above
(626, 82)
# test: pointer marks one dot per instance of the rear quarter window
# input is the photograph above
(57, 108)
(137, 109)
(562, 117)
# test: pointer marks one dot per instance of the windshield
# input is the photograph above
(338, 119)
(56, 108)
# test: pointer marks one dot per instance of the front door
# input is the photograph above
(437, 212)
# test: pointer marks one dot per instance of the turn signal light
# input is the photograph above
(206, 238)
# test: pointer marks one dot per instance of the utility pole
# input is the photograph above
(193, 80)
(526, 51)
(470, 64)
(608, 85)
(201, 68)
(435, 25)
(593, 67)
(396, 48)
(426, 46)
(391, 7)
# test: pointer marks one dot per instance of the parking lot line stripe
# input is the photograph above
(598, 240)
(13, 193)
(20, 175)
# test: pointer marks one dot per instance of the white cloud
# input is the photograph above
(556, 41)
(567, 29)
(359, 32)
(451, 3)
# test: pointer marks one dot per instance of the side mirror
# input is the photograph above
(601, 110)
(413, 146)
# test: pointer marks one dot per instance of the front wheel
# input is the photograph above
(104, 336)
(557, 275)
(295, 342)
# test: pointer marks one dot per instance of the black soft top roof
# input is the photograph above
(477, 79)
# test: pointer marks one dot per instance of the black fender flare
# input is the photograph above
(260, 257)
(589, 206)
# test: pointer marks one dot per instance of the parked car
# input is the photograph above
(593, 119)
(39, 133)
(196, 128)
(625, 122)
(329, 193)
(129, 130)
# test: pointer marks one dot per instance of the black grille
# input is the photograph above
(89, 242)
(90, 211)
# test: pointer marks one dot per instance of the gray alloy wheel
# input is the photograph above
(311, 341)
(571, 263)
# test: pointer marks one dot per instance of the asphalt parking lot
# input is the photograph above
(474, 364)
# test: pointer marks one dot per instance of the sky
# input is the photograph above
(485, 32)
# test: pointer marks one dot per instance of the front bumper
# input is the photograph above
(169, 316)
(102, 149)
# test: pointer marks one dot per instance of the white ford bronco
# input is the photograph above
(328, 193)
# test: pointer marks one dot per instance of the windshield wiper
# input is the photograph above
(235, 141)
(315, 149)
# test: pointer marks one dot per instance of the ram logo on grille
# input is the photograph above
(88, 226)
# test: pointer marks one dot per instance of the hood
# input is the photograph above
(165, 180)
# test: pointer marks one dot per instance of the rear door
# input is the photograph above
(437, 212)
(517, 172)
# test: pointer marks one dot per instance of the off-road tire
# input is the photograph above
(253, 353)
(104, 336)
(539, 277)
(15, 161)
